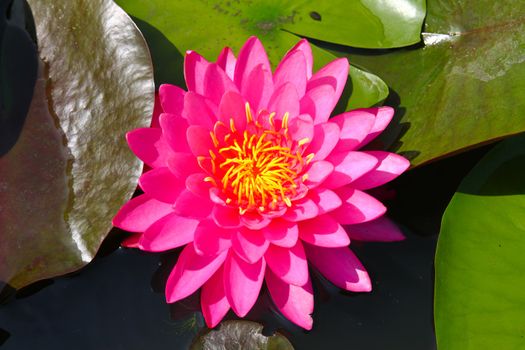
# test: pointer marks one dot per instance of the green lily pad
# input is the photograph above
(479, 298)
(70, 170)
(465, 86)
(173, 27)
(358, 23)
(240, 335)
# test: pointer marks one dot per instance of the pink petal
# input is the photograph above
(242, 283)
(249, 245)
(191, 205)
(292, 69)
(284, 100)
(140, 213)
(254, 221)
(318, 102)
(196, 184)
(348, 167)
(211, 239)
(170, 232)
(304, 46)
(325, 200)
(357, 207)
(326, 136)
(190, 273)
(232, 106)
(174, 128)
(194, 71)
(199, 140)
(354, 126)
(340, 266)
(277, 213)
(217, 196)
(161, 184)
(227, 61)
(301, 128)
(317, 173)
(214, 303)
(334, 74)
(390, 166)
(289, 264)
(258, 88)
(302, 209)
(149, 145)
(216, 83)
(296, 303)
(281, 232)
(251, 55)
(378, 230)
(131, 241)
(197, 111)
(171, 98)
(226, 217)
(383, 117)
(323, 231)
(183, 165)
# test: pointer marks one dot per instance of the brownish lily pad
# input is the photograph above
(240, 335)
(70, 170)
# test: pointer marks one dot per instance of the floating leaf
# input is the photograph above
(70, 169)
(240, 335)
(465, 86)
(173, 27)
(479, 299)
(358, 23)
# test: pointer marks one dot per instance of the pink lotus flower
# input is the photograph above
(250, 175)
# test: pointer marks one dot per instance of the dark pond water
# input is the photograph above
(117, 303)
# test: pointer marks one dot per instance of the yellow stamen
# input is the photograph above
(214, 139)
(249, 117)
(232, 125)
(270, 119)
(284, 123)
(257, 169)
(309, 158)
(303, 142)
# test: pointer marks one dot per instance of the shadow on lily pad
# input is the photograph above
(168, 62)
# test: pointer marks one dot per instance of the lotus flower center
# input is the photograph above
(259, 168)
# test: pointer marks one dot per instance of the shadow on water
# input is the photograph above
(422, 194)
(397, 314)
(115, 303)
(4, 335)
(506, 179)
(109, 305)
(18, 70)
